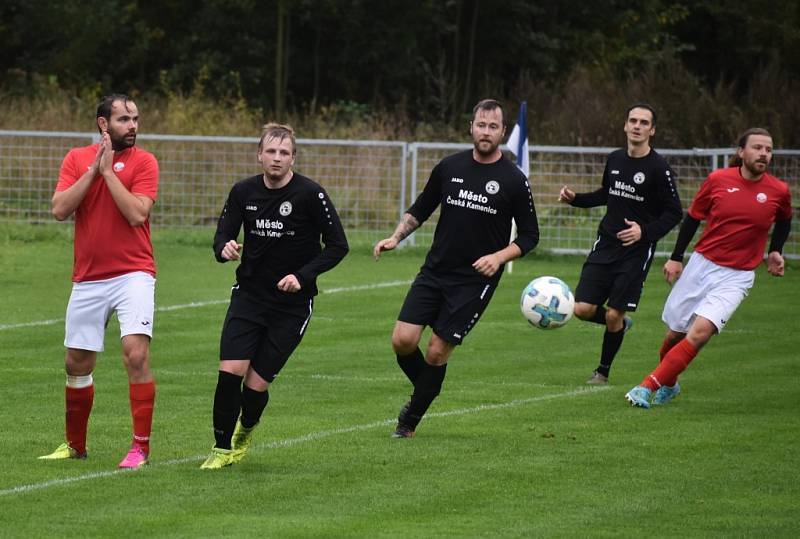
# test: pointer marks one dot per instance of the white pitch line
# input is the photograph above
(31, 324)
(195, 304)
(295, 377)
(360, 287)
(310, 437)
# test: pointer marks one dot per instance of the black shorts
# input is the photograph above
(618, 284)
(450, 308)
(266, 333)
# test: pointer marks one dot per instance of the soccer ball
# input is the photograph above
(547, 302)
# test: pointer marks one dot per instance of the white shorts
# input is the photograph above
(91, 303)
(708, 290)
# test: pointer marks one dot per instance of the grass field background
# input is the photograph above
(516, 445)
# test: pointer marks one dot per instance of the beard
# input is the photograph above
(124, 142)
(485, 147)
(755, 168)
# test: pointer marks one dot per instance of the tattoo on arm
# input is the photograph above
(407, 225)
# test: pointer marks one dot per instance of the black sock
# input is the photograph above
(253, 404)
(611, 344)
(227, 404)
(412, 364)
(428, 385)
(599, 316)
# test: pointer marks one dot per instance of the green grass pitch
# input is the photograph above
(516, 445)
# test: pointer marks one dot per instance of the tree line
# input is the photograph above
(712, 64)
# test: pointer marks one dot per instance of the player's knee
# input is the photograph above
(700, 332)
(403, 344)
(79, 362)
(136, 360)
(436, 358)
(255, 381)
(699, 337)
(437, 355)
(614, 319)
(584, 311)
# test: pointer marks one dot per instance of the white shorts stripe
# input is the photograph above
(310, 309)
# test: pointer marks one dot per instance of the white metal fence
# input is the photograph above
(371, 182)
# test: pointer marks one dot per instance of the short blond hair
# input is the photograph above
(279, 131)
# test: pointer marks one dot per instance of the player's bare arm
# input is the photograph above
(407, 225)
(672, 270)
(632, 234)
(232, 250)
(489, 264)
(64, 203)
(566, 195)
(775, 265)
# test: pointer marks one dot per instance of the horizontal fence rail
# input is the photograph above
(371, 182)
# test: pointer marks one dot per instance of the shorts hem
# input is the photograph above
(149, 335)
(75, 346)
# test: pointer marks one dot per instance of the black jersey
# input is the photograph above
(477, 202)
(640, 189)
(282, 232)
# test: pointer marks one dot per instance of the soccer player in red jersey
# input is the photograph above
(739, 205)
(110, 187)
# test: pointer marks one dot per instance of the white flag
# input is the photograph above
(518, 145)
(518, 141)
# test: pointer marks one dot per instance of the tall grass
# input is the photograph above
(585, 108)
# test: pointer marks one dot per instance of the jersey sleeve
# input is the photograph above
(594, 198)
(784, 212)
(145, 181)
(334, 240)
(524, 211)
(68, 174)
(671, 209)
(429, 199)
(229, 224)
(701, 204)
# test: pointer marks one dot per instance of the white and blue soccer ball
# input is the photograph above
(547, 302)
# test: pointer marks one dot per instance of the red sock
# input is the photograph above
(666, 346)
(79, 406)
(674, 363)
(143, 398)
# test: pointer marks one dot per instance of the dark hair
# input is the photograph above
(278, 131)
(488, 104)
(107, 103)
(642, 106)
(741, 142)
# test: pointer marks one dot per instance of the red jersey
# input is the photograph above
(106, 245)
(738, 215)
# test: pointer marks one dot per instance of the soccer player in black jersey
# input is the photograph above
(284, 215)
(642, 205)
(479, 192)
